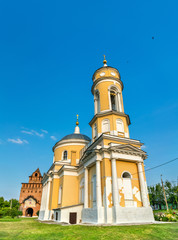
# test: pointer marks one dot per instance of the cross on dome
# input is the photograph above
(77, 129)
(104, 61)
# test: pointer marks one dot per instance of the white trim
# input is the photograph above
(128, 157)
(67, 173)
(70, 144)
(55, 177)
(108, 80)
(81, 171)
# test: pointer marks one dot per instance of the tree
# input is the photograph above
(15, 203)
(1, 202)
(157, 197)
(152, 195)
(171, 192)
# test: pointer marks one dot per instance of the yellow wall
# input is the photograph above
(59, 151)
(70, 191)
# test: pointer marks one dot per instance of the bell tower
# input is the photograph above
(109, 115)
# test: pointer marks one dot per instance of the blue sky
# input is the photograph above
(48, 53)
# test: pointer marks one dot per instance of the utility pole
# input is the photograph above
(164, 194)
(11, 204)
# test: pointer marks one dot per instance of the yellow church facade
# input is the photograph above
(98, 180)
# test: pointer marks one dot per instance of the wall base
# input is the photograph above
(93, 215)
(132, 215)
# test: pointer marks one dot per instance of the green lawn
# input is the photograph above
(32, 229)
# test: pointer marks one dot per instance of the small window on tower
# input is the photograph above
(105, 125)
(120, 125)
(113, 100)
(36, 174)
(97, 102)
(65, 155)
(95, 130)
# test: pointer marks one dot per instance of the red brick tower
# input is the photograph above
(30, 195)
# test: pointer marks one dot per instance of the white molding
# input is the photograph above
(81, 171)
(120, 156)
(68, 173)
(55, 177)
(70, 144)
(107, 80)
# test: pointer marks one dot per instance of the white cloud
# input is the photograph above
(33, 132)
(53, 138)
(45, 131)
(37, 133)
(17, 141)
(27, 132)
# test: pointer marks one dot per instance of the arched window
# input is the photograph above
(128, 194)
(65, 155)
(119, 125)
(126, 175)
(105, 125)
(95, 130)
(115, 99)
(97, 102)
(36, 174)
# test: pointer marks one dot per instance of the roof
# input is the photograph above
(76, 136)
(73, 136)
(105, 68)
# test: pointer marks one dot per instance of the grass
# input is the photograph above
(28, 228)
(165, 211)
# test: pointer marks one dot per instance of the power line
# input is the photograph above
(157, 166)
(162, 164)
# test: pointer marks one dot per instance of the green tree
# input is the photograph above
(159, 195)
(152, 195)
(15, 203)
(1, 202)
(171, 192)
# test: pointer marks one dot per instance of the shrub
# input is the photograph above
(10, 212)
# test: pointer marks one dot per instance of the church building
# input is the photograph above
(30, 195)
(98, 180)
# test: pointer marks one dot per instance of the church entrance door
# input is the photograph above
(29, 212)
(73, 218)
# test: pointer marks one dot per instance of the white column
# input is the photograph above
(98, 184)
(142, 185)
(115, 192)
(42, 198)
(86, 188)
(47, 199)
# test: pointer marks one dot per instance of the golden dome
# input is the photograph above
(106, 72)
